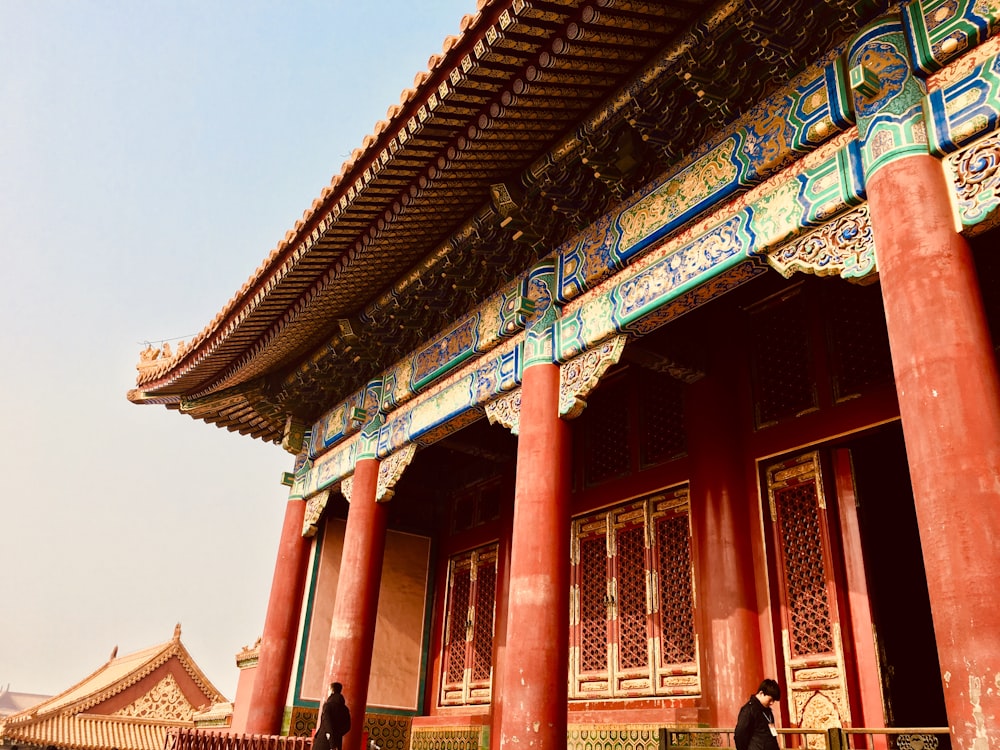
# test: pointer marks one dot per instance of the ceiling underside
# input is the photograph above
(570, 106)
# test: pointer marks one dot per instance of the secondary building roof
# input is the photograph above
(128, 703)
(12, 703)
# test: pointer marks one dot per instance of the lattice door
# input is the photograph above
(626, 638)
(467, 663)
(807, 590)
(676, 656)
(631, 634)
(591, 608)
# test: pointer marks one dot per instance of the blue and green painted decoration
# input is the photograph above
(792, 167)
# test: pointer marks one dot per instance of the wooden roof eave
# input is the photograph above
(166, 384)
(211, 366)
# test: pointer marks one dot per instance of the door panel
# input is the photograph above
(467, 664)
(812, 643)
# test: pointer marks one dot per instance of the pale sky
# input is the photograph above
(152, 153)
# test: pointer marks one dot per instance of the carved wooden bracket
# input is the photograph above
(579, 376)
(842, 247)
(314, 510)
(390, 470)
(506, 411)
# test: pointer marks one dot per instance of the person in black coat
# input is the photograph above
(334, 721)
(755, 726)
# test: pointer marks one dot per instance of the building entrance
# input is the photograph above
(910, 674)
(842, 525)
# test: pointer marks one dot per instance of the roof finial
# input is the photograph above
(177, 632)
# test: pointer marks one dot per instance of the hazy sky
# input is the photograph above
(152, 153)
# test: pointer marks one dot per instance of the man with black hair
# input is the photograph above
(334, 720)
(755, 726)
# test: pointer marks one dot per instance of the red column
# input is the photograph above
(535, 665)
(500, 629)
(949, 400)
(277, 644)
(352, 632)
(724, 570)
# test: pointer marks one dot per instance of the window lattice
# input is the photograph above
(632, 633)
(662, 436)
(482, 638)
(673, 547)
(620, 623)
(593, 607)
(463, 515)
(606, 436)
(783, 383)
(805, 571)
(458, 614)
(476, 505)
(859, 342)
(489, 505)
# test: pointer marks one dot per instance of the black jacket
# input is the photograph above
(753, 731)
(334, 723)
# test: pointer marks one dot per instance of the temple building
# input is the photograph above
(644, 350)
(130, 702)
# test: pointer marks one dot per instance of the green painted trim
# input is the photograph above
(425, 647)
(297, 699)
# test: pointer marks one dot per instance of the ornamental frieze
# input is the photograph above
(471, 387)
(718, 285)
(821, 185)
(965, 109)
(811, 110)
(499, 318)
(326, 470)
(965, 65)
(807, 196)
(502, 316)
(809, 218)
(796, 121)
(453, 348)
(681, 198)
(345, 419)
(941, 30)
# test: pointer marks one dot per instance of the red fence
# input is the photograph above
(207, 739)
